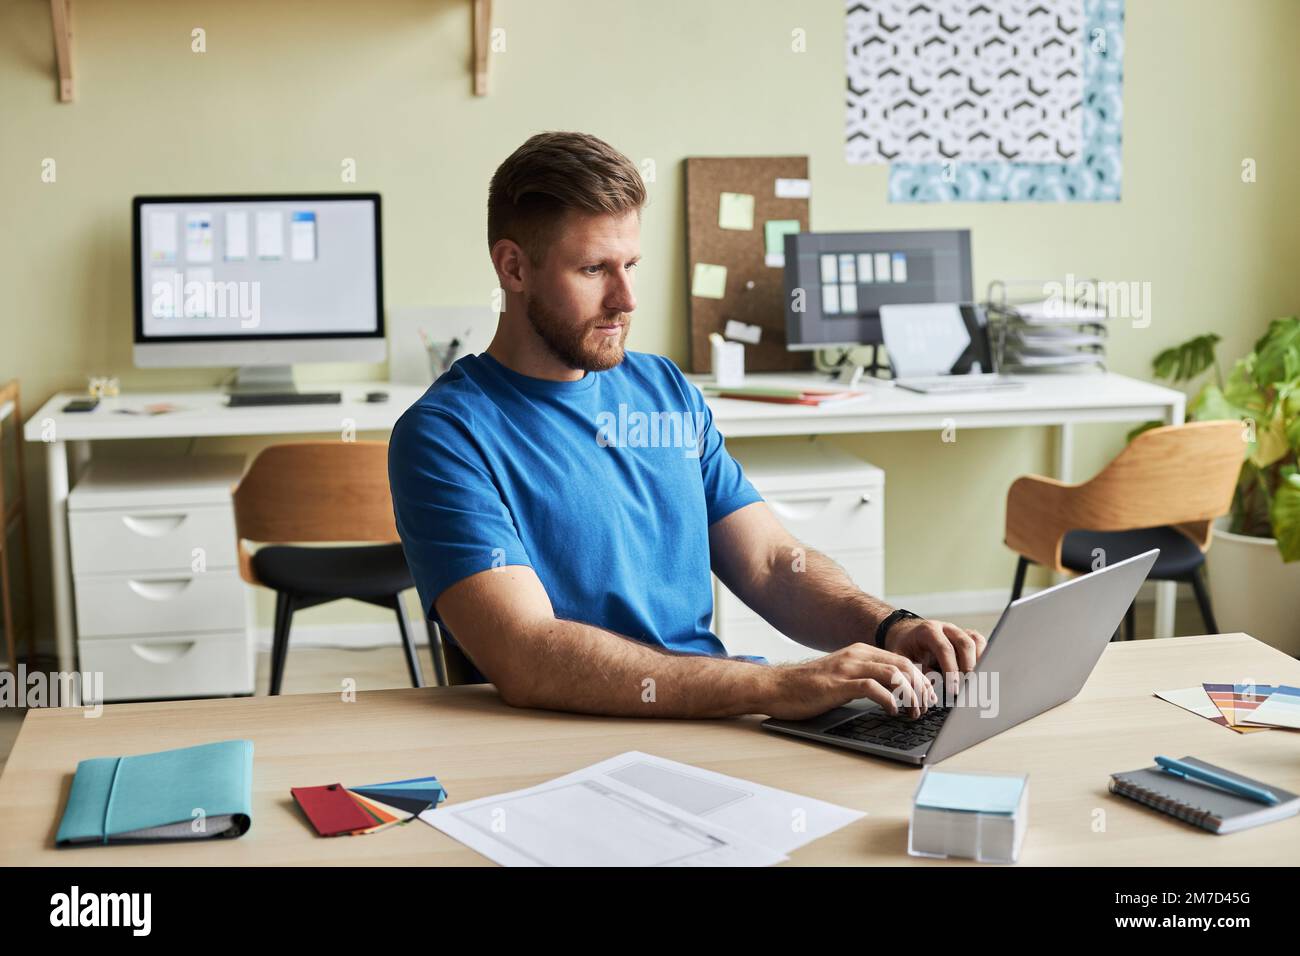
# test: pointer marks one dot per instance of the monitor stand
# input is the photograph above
(263, 379)
(273, 385)
(851, 373)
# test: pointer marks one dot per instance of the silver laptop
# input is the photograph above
(941, 347)
(1039, 655)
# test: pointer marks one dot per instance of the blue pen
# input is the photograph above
(1180, 769)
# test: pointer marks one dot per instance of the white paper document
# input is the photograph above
(640, 810)
(592, 822)
(778, 819)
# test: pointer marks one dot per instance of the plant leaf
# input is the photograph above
(1271, 444)
(1285, 515)
(1184, 362)
(1278, 352)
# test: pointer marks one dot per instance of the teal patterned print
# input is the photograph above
(1095, 177)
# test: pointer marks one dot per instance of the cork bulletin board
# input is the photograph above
(759, 190)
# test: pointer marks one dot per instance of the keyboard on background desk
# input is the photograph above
(945, 384)
(247, 399)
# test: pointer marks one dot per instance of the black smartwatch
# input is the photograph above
(887, 623)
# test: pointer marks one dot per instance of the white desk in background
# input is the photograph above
(1061, 401)
(1055, 400)
(200, 413)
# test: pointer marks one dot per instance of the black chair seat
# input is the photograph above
(1179, 556)
(360, 571)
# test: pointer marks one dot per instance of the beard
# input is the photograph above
(580, 346)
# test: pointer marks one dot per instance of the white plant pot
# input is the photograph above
(1253, 590)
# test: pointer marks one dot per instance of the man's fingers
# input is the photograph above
(895, 672)
(940, 647)
(963, 644)
(874, 691)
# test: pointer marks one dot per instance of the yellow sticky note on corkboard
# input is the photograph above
(709, 281)
(736, 211)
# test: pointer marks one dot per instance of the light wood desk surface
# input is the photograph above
(478, 746)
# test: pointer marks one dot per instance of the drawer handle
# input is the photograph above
(153, 526)
(799, 509)
(160, 590)
(163, 653)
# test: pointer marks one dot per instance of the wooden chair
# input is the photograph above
(1162, 491)
(13, 529)
(324, 491)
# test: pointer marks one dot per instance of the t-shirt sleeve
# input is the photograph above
(726, 488)
(449, 512)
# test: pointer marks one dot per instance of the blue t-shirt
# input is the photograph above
(605, 487)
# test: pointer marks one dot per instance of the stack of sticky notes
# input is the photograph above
(1242, 708)
(979, 816)
(336, 810)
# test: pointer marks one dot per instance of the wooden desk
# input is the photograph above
(477, 746)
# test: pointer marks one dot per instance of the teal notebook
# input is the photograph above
(193, 793)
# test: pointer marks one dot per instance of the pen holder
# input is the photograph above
(729, 364)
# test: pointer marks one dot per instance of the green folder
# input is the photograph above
(193, 793)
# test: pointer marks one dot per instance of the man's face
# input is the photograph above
(579, 300)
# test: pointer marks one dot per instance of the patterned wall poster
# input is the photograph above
(1094, 176)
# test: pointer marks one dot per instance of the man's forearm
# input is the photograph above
(812, 600)
(568, 665)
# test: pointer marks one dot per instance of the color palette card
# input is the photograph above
(1238, 701)
(1196, 700)
(1281, 709)
(336, 810)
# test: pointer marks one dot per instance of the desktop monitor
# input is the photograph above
(836, 282)
(257, 281)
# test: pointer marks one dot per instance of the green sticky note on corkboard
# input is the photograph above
(709, 281)
(736, 211)
(774, 231)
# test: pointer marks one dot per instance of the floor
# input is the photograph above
(321, 670)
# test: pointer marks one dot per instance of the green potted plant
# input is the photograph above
(1254, 565)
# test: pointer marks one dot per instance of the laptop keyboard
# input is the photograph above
(900, 732)
(960, 383)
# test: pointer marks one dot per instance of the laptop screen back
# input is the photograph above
(942, 338)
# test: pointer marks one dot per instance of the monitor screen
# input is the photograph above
(836, 282)
(242, 268)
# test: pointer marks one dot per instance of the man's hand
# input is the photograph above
(937, 646)
(858, 670)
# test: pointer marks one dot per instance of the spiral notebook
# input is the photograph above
(1202, 804)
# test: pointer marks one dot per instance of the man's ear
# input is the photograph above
(510, 262)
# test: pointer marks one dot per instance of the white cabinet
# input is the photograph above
(829, 500)
(161, 609)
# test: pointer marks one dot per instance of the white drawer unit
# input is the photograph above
(113, 604)
(153, 539)
(169, 665)
(161, 609)
(830, 501)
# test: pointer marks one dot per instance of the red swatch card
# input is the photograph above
(331, 810)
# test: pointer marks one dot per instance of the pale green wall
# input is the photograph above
(286, 91)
